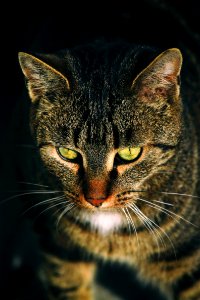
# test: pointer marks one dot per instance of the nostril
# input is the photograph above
(96, 202)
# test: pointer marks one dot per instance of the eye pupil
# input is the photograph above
(66, 153)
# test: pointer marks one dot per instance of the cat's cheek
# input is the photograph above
(50, 151)
(121, 169)
(73, 167)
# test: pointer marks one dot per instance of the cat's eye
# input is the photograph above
(66, 153)
(130, 153)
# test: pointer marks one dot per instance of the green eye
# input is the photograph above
(129, 154)
(67, 153)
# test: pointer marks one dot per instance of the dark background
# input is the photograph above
(63, 24)
(32, 28)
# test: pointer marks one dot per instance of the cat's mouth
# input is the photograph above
(112, 201)
(121, 213)
(108, 203)
(105, 216)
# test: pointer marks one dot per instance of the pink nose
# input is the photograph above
(96, 202)
(96, 192)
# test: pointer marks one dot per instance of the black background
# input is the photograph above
(31, 27)
(61, 24)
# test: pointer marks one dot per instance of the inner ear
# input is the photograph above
(41, 77)
(160, 79)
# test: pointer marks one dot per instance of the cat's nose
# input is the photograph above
(95, 191)
(96, 202)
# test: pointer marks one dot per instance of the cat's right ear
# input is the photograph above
(41, 77)
(159, 82)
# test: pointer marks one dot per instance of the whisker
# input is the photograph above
(67, 209)
(167, 211)
(151, 222)
(50, 207)
(166, 193)
(30, 183)
(31, 192)
(48, 200)
(134, 227)
(166, 171)
(127, 218)
(179, 194)
(148, 224)
(166, 203)
(59, 209)
(160, 228)
(132, 223)
(55, 199)
(161, 209)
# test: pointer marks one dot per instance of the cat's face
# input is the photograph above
(103, 133)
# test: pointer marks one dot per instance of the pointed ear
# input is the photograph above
(159, 82)
(41, 77)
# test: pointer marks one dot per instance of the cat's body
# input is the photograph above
(117, 146)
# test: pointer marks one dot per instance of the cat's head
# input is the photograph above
(105, 125)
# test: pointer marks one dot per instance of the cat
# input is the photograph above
(117, 147)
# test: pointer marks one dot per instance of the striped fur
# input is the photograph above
(144, 212)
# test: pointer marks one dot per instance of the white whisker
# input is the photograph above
(160, 228)
(59, 209)
(178, 194)
(167, 211)
(165, 203)
(50, 207)
(127, 218)
(162, 210)
(132, 223)
(67, 209)
(30, 183)
(55, 199)
(166, 193)
(31, 192)
(134, 227)
(148, 224)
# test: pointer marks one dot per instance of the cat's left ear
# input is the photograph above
(41, 77)
(160, 80)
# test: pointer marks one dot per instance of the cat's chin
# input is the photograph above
(103, 222)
